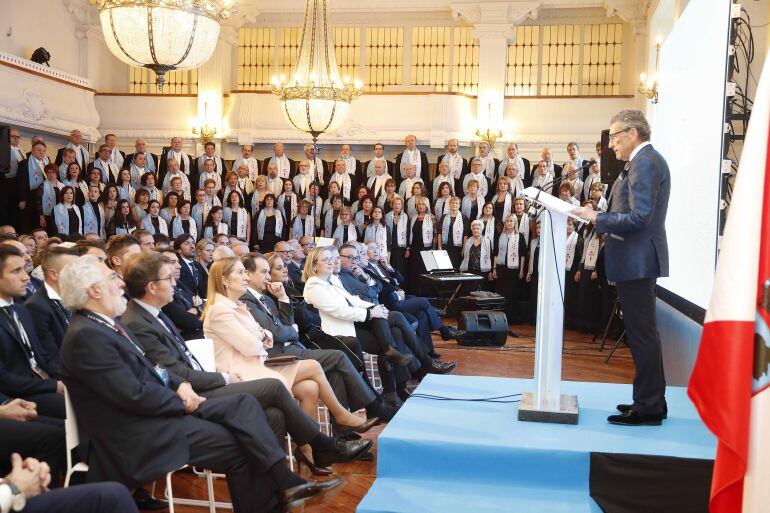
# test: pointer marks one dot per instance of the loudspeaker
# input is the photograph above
(5, 149)
(610, 167)
(482, 328)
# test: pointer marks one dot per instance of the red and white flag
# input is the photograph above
(730, 384)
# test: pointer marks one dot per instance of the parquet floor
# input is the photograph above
(582, 362)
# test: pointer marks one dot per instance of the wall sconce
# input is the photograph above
(648, 86)
(206, 132)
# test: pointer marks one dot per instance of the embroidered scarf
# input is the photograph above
(177, 228)
(62, 218)
(282, 164)
(532, 250)
(350, 229)
(401, 228)
(49, 195)
(148, 225)
(261, 224)
(508, 250)
(345, 184)
(301, 227)
(571, 245)
(467, 206)
(486, 258)
(591, 251)
(455, 165)
(411, 157)
(457, 229)
(379, 234)
(292, 207)
(92, 224)
(427, 230)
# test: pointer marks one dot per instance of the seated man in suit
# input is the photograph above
(193, 276)
(286, 252)
(183, 310)
(149, 419)
(45, 306)
(348, 386)
(26, 370)
(22, 430)
(150, 280)
(119, 248)
(33, 284)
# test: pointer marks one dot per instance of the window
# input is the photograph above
(560, 68)
(289, 40)
(384, 57)
(465, 75)
(256, 58)
(523, 62)
(602, 50)
(430, 57)
(347, 50)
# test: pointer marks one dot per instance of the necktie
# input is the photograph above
(162, 317)
(31, 289)
(267, 310)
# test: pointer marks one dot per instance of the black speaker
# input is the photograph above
(5, 149)
(482, 328)
(610, 167)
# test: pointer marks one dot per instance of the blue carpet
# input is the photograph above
(442, 456)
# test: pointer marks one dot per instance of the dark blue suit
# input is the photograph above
(50, 322)
(636, 253)
(194, 284)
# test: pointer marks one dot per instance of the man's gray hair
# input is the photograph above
(223, 252)
(75, 280)
(632, 118)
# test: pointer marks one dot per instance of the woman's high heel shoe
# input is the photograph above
(400, 360)
(316, 471)
(341, 429)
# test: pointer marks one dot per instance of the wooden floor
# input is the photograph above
(582, 362)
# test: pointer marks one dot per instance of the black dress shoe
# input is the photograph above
(147, 502)
(634, 418)
(442, 367)
(343, 451)
(623, 408)
(398, 359)
(433, 354)
(361, 428)
(448, 332)
(382, 409)
(298, 495)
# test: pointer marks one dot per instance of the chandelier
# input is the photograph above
(162, 35)
(314, 99)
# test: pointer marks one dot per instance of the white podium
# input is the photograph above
(546, 403)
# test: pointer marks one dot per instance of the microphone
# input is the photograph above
(533, 209)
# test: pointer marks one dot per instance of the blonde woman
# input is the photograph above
(240, 346)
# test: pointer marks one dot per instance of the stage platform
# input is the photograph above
(461, 457)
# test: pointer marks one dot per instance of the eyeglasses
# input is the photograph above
(169, 278)
(113, 276)
(309, 244)
(285, 251)
(615, 135)
(354, 258)
(326, 260)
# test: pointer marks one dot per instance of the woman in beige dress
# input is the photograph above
(240, 347)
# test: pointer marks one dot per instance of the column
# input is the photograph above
(213, 78)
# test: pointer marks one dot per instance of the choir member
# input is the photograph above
(93, 214)
(316, 203)
(411, 177)
(331, 216)
(477, 254)
(108, 170)
(508, 267)
(123, 185)
(533, 263)
(284, 166)
(488, 163)
(75, 143)
(544, 179)
(572, 174)
(386, 200)
(594, 176)
(587, 277)
(303, 178)
(183, 223)
(138, 169)
(490, 226)
(201, 208)
(513, 157)
(49, 196)
(454, 229)
(576, 160)
(150, 159)
(178, 188)
(418, 191)
(274, 181)
(376, 182)
(421, 232)
(547, 156)
(170, 207)
(93, 179)
(148, 184)
(74, 180)
(109, 201)
(245, 182)
(153, 223)
(334, 190)
(473, 201)
(441, 206)
(248, 160)
(304, 224)
(566, 194)
(317, 167)
(184, 165)
(522, 219)
(214, 223)
(456, 166)
(287, 201)
(121, 221)
(268, 226)
(376, 231)
(68, 157)
(573, 255)
(9, 184)
(30, 176)
(141, 205)
(116, 156)
(209, 173)
(258, 196)
(597, 196)
(477, 174)
(67, 215)
(230, 185)
(397, 223)
(502, 200)
(352, 164)
(443, 177)
(347, 182)
(236, 217)
(209, 153)
(363, 217)
(173, 171)
(346, 229)
(361, 193)
(369, 167)
(411, 155)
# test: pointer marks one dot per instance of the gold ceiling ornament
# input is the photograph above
(163, 35)
(314, 99)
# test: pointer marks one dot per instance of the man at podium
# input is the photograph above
(636, 254)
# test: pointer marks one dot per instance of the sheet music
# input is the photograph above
(428, 260)
(443, 262)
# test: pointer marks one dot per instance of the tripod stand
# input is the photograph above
(616, 313)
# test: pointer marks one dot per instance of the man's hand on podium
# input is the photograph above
(586, 213)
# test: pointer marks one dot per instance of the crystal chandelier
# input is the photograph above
(162, 35)
(315, 100)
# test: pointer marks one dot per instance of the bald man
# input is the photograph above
(76, 143)
(411, 155)
(140, 146)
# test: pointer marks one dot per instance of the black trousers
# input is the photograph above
(348, 385)
(42, 439)
(376, 338)
(49, 405)
(637, 299)
(405, 335)
(281, 410)
(231, 435)
(86, 498)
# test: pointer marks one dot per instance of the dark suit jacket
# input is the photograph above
(129, 421)
(359, 288)
(295, 275)
(189, 324)
(50, 323)
(424, 167)
(169, 351)
(388, 287)
(635, 223)
(16, 376)
(279, 324)
(60, 155)
(129, 158)
(188, 282)
(22, 183)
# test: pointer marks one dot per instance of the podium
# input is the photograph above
(547, 403)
